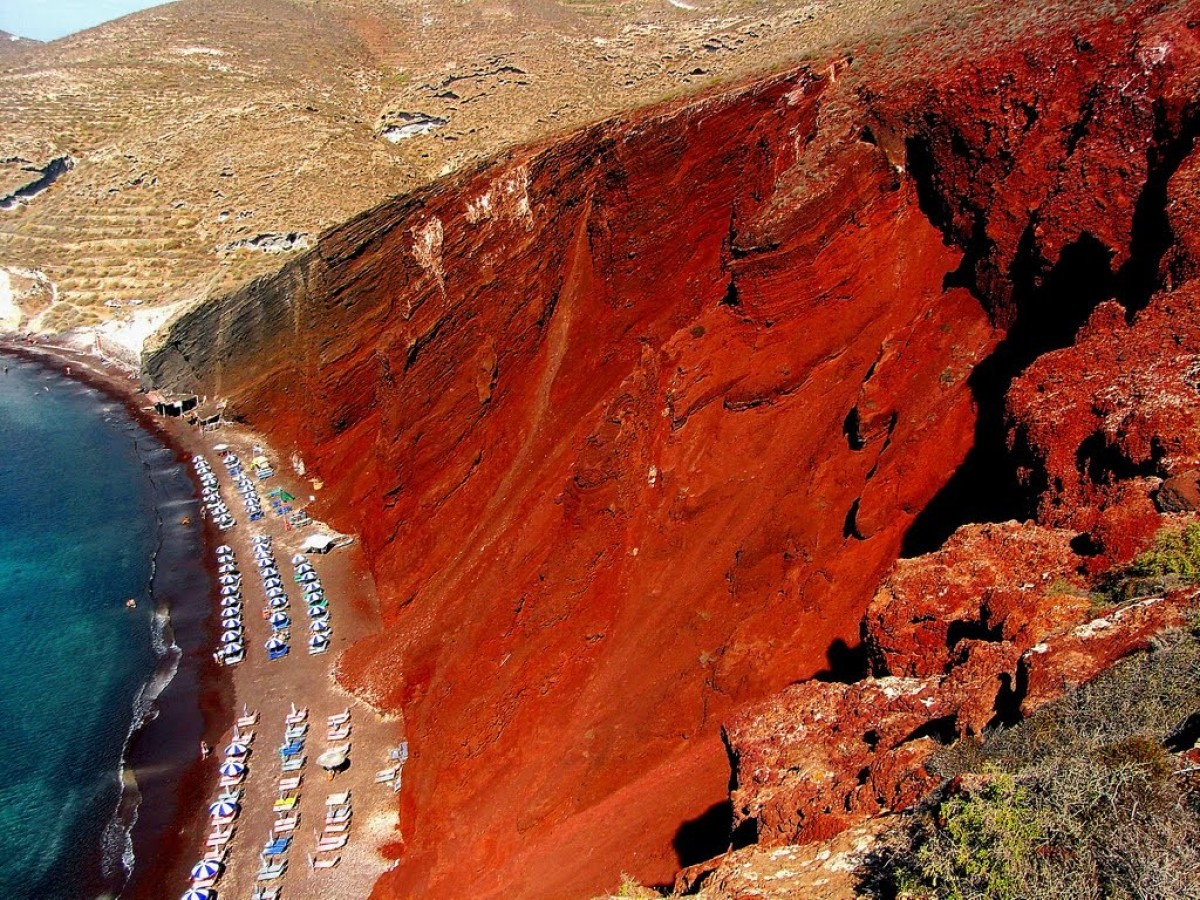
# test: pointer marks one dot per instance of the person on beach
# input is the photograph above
(205, 750)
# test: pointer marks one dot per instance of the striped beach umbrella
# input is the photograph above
(223, 809)
(278, 602)
(320, 626)
(269, 583)
(237, 748)
(309, 577)
(299, 558)
(230, 637)
(280, 620)
(197, 894)
(312, 587)
(206, 868)
(231, 600)
(224, 548)
(229, 580)
(230, 769)
(317, 612)
(318, 642)
(275, 644)
(228, 590)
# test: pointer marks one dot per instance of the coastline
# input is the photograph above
(188, 697)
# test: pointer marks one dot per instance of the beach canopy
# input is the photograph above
(317, 612)
(298, 559)
(317, 641)
(319, 627)
(332, 759)
(206, 868)
(231, 637)
(228, 580)
(224, 548)
(229, 770)
(280, 620)
(261, 539)
(319, 543)
(197, 894)
(237, 749)
(311, 587)
(309, 576)
(223, 809)
(276, 644)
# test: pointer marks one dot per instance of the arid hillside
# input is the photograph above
(180, 151)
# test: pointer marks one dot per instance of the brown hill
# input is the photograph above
(209, 136)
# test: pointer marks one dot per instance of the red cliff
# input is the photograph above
(634, 424)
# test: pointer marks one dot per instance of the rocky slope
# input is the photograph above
(635, 422)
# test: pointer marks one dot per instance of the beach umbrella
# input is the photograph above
(309, 577)
(231, 601)
(332, 759)
(303, 567)
(316, 600)
(260, 539)
(237, 749)
(317, 612)
(298, 559)
(269, 573)
(280, 620)
(278, 602)
(275, 593)
(223, 809)
(318, 642)
(265, 562)
(197, 894)
(319, 627)
(206, 868)
(230, 637)
(229, 590)
(227, 568)
(224, 548)
(229, 770)
(229, 580)
(276, 644)
(273, 582)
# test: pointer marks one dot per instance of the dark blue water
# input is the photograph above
(77, 537)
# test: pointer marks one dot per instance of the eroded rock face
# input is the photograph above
(634, 424)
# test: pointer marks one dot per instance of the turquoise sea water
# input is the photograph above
(77, 537)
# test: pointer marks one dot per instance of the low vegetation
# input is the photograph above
(1172, 561)
(1088, 798)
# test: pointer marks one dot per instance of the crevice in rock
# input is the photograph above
(943, 729)
(850, 525)
(47, 175)
(845, 664)
(850, 428)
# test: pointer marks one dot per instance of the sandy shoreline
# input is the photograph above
(175, 784)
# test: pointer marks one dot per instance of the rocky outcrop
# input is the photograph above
(634, 423)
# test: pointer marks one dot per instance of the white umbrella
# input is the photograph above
(229, 590)
(319, 627)
(309, 577)
(231, 637)
(223, 809)
(220, 448)
(317, 641)
(278, 602)
(229, 580)
(275, 644)
(299, 558)
(331, 759)
(236, 749)
(280, 620)
(229, 770)
(197, 894)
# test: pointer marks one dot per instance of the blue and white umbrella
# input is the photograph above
(312, 587)
(237, 749)
(276, 644)
(229, 770)
(261, 539)
(228, 590)
(272, 593)
(309, 577)
(224, 548)
(265, 562)
(318, 641)
(278, 602)
(319, 627)
(229, 580)
(227, 568)
(197, 894)
(231, 600)
(269, 583)
(317, 612)
(223, 809)
(206, 868)
(299, 558)
(304, 567)
(280, 620)
(231, 637)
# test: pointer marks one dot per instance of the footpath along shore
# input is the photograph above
(267, 688)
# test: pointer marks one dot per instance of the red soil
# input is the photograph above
(634, 424)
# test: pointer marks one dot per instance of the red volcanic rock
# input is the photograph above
(988, 582)
(818, 757)
(1103, 418)
(1055, 667)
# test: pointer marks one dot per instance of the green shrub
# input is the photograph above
(1175, 556)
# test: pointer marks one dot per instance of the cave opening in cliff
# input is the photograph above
(1049, 303)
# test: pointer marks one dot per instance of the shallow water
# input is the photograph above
(77, 537)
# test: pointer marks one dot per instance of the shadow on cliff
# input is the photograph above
(710, 834)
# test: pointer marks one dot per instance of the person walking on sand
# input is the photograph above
(205, 750)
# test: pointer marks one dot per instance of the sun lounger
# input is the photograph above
(228, 781)
(203, 883)
(294, 764)
(399, 754)
(340, 828)
(339, 734)
(285, 826)
(271, 871)
(230, 795)
(333, 843)
(243, 735)
(296, 716)
(247, 718)
(263, 893)
(386, 775)
(396, 782)
(338, 799)
(339, 718)
(286, 804)
(328, 863)
(291, 748)
(338, 813)
(277, 847)
(296, 731)
(290, 784)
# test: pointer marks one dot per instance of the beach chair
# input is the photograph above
(265, 893)
(286, 826)
(386, 775)
(338, 799)
(230, 795)
(331, 829)
(290, 784)
(292, 749)
(339, 718)
(339, 734)
(332, 843)
(229, 781)
(247, 718)
(293, 764)
(338, 813)
(296, 716)
(294, 732)
(278, 846)
(327, 863)
(396, 782)
(272, 870)
(203, 884)
(286, 804)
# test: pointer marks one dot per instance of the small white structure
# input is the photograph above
(319, 543)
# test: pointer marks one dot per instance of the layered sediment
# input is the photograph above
(634, 423)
